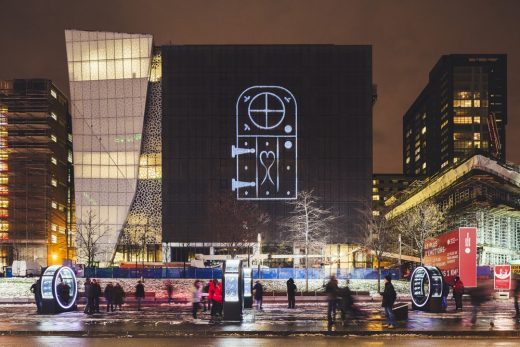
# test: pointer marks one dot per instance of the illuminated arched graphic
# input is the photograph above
(266, 144)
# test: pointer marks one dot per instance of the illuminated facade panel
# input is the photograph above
(108, 75)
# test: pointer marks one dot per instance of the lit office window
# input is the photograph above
(54, 182)
(54, 94)
(54, 138)
(54, 238)
(423, 130)
(54, 227)
(54, 205)
(54, 116)
(375, 197)
(54, 161)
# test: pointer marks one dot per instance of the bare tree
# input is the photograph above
(421, 222)
(309, 224)
(237, 223)
(89, 235)
(379, 238)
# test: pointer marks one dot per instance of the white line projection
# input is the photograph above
(266, 149)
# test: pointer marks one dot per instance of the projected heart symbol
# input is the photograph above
(267, 160)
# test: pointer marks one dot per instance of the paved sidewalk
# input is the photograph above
(275, 320)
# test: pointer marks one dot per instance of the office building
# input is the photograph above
(36, 202)
(450, 119)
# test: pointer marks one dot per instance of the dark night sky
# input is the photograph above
(408, 37)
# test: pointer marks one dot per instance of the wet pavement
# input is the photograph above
(275, 320)
(322, 341)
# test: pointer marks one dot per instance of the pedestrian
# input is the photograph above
(205, 297)
(89, 294)
(63, 290)
(139, 294)
(389, 296)
(346, 303)
(516, 294)
(109, 296)
(331, 289)
(444, 295)
(36, 289)
(169, 291)
(216, 297)
(196, 297)
(480, 295)
(458, 291)
(291, 293)
(119, 294)
(96, 286)
(258, 291)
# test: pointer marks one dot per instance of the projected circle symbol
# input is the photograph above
(266, 110)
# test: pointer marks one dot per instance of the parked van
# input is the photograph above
(26, 268)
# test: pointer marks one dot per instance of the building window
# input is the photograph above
(54, 227)
(408, 160)
(54, 161)
(54, 116)
(445, 123)
(375, 213)
(69, 137)
(54, 238)
(462, 120)
(375, 190)
(54, 138)
(444, 164)
(54, 205)
(54, 182)
(69, 157)
(476, 120)
(54, 94)
(476, 136)
(423, 130)
(375, 197)
(424, 165)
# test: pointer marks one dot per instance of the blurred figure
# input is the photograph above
(479, 295)
(139, 294)
(389, 296)
(63, 290)
(109, 296)
(258, 291)
(119, 294)
(196, 297)
(36, 289)
(291, 293)
(332, 295)
(206, 302)
(445, 293)
(516, 293)
(169, 291)
(458, 291)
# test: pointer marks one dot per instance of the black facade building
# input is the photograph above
(385, 186)
(449, 119)
(258, 124)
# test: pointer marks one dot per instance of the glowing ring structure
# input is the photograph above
(429, 286)
(55, 283)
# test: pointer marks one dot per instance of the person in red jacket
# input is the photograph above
(458, 291)
(215, 295)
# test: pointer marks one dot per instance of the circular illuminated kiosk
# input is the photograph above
(426, 288)
(54, 300)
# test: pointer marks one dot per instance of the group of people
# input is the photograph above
(113, 295)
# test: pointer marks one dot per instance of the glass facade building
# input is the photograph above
(108, 75)
(449, 119)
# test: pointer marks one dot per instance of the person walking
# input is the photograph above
(258, 291)
(196, 297)
(331, 289)
(139, 294)
(119, 294)
(479, 295)
(444, 295)
(458, 291)
(109, 296)
(89, 294)
(389, 296)
(291, 293)
(36, 289)
(97, 294)
(169, 291)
